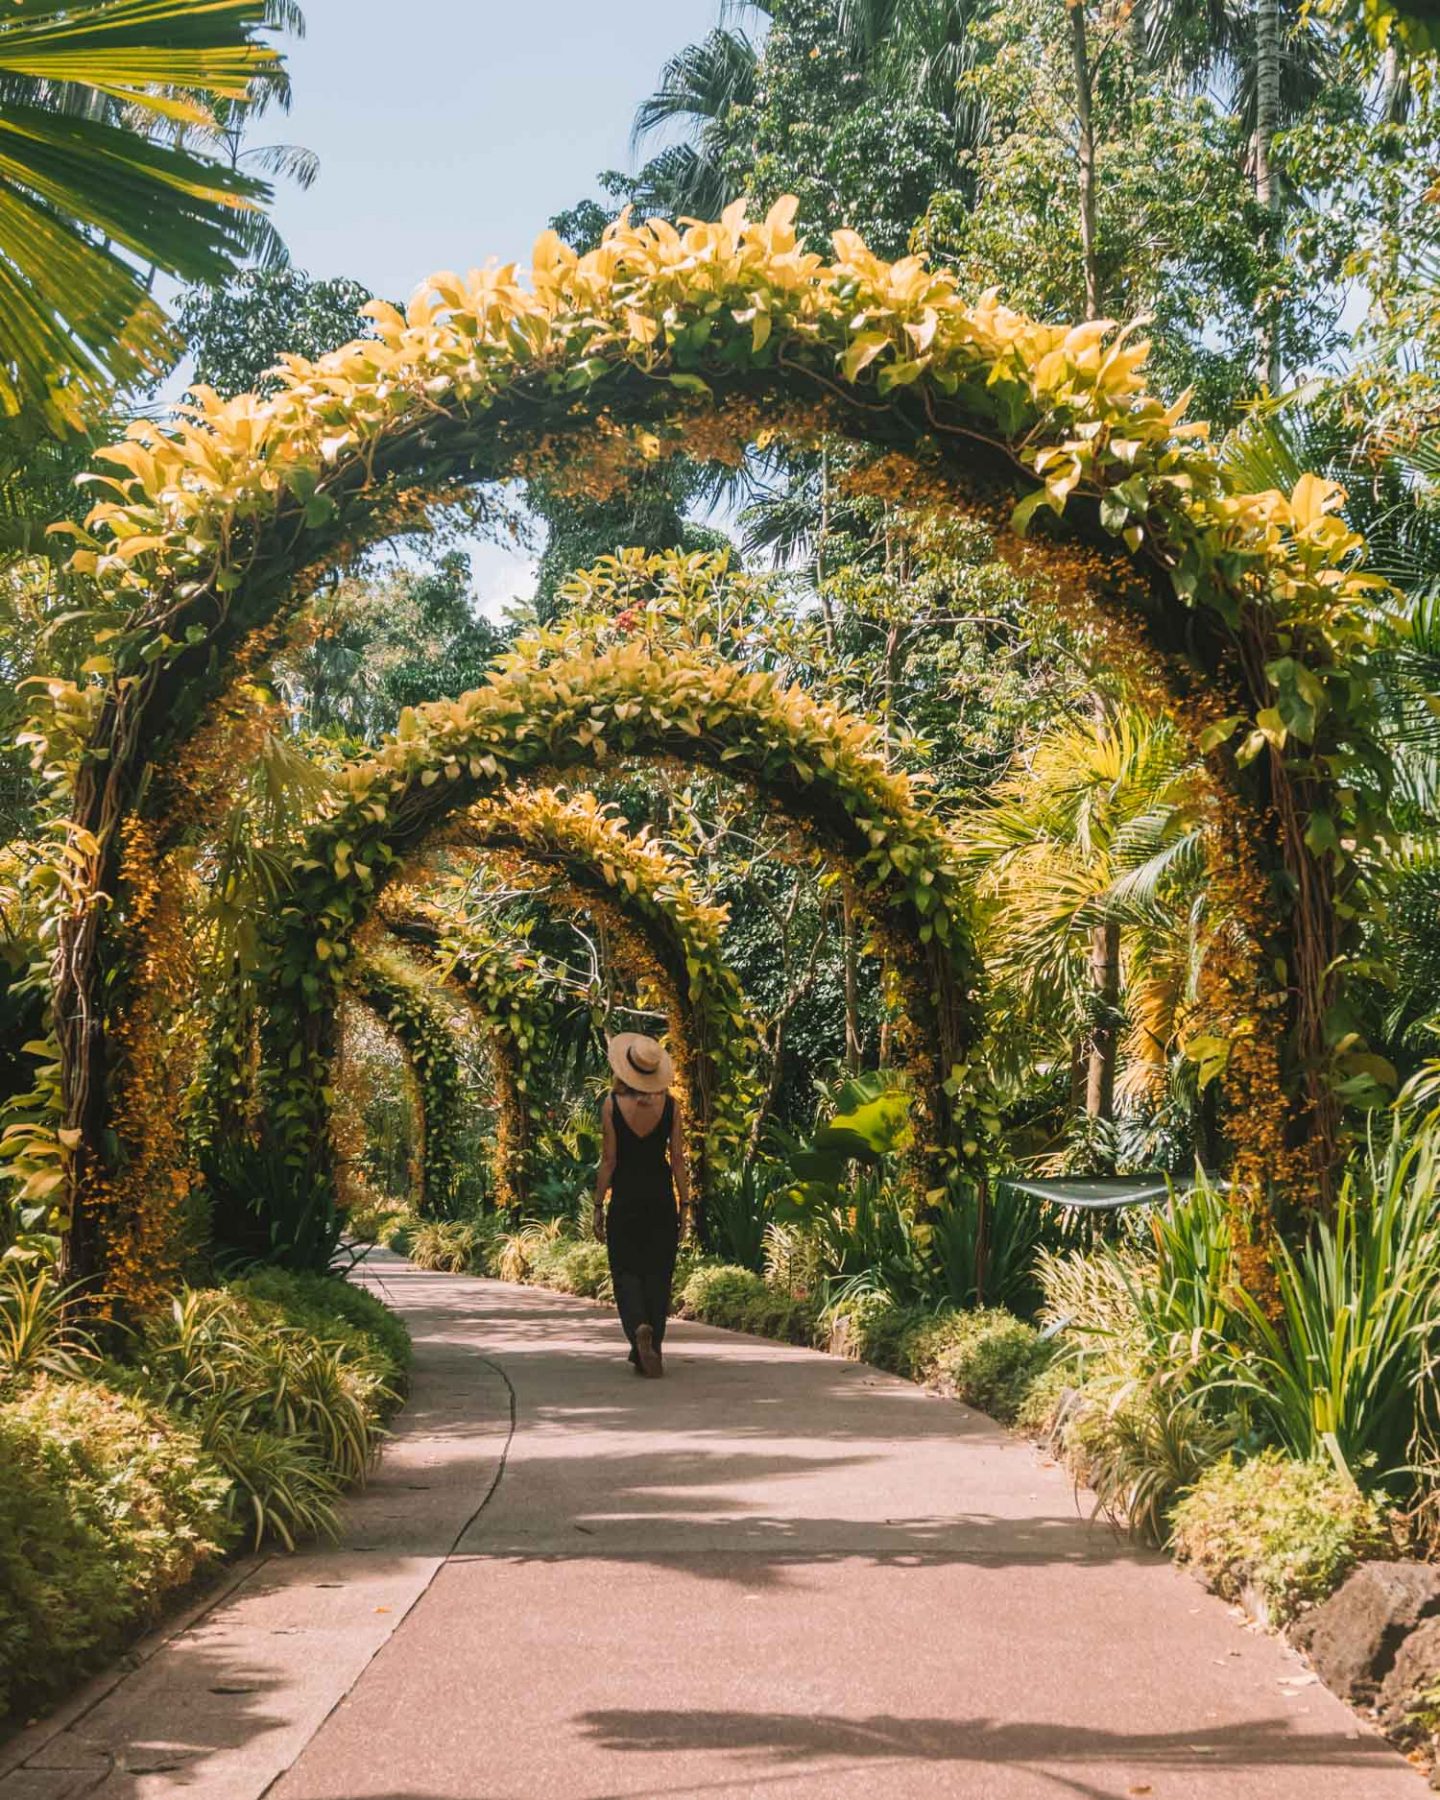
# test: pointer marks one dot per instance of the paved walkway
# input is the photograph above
(773, 1574)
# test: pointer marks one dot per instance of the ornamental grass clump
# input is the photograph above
(515, 1255)
(1345, 1370)
(289, 1416)
(451, 1246)
(1139, 1333)
(36, 1335)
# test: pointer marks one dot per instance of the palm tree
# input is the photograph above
(264, 246)
(1086, 863)
(920, 50)
(1277, 61)
(89, 198)
(698, 90)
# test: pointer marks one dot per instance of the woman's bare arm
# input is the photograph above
(606, 1172)
(680, 1168)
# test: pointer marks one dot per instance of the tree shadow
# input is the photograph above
(1071, 1756)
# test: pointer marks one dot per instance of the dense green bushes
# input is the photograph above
(1276, 1533)
(107, 1503)
(240, 1414)
(738, 1299)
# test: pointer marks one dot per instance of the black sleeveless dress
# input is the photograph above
(642, 1228)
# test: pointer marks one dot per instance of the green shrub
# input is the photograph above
(781, 1316)
(106, 1505)
(737, 1212)
(874, 1328)
(688, 1262)
(389, 1222)
(1284, 1532)
(719, 1293)
(573, 1267)
(988, 1359)
(1044, 1398)
(262, 1209)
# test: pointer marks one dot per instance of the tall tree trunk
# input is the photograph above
(852, 987)
(1267, 187)
(1394, 86)
(1085, 121)
(1104, 1040)
(827, 611)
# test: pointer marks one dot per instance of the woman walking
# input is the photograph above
(642, 1168)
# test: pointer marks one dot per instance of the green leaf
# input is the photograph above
(1024, 510)
(1219, 733)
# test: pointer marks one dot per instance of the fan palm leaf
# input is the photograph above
(85, 186)
(1099, 826)
(698, 90)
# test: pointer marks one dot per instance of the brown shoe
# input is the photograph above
(650, 1362)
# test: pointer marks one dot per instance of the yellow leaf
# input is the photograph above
(1313, 498)
(862, 352)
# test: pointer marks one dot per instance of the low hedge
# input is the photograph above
(108, 1503)
(737, 1299)
(988, 1359)
(574, 1267)
(243, 1412)
(1275, 1531)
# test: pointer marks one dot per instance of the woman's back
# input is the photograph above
(642, 1150)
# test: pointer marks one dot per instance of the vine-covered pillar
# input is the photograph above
(417, 1018)
(512, 1128)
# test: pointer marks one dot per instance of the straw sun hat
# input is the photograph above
(640, 1062)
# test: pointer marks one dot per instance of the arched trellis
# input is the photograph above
(517, 994)
(596, 849)
(516, 999)
(810, 759)
(508, 984)
(419, 1017)
(703, 342)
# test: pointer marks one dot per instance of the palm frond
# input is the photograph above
(82, 189)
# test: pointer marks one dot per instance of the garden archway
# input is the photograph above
(809, 759)
(595, 848)
(417, 1015)
(703, 342)
(516, 995)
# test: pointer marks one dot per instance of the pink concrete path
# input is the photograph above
(772, 1574)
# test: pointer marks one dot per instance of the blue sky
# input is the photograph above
(449, 132)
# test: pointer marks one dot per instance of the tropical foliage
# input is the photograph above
(973, 766)
(91, 194)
